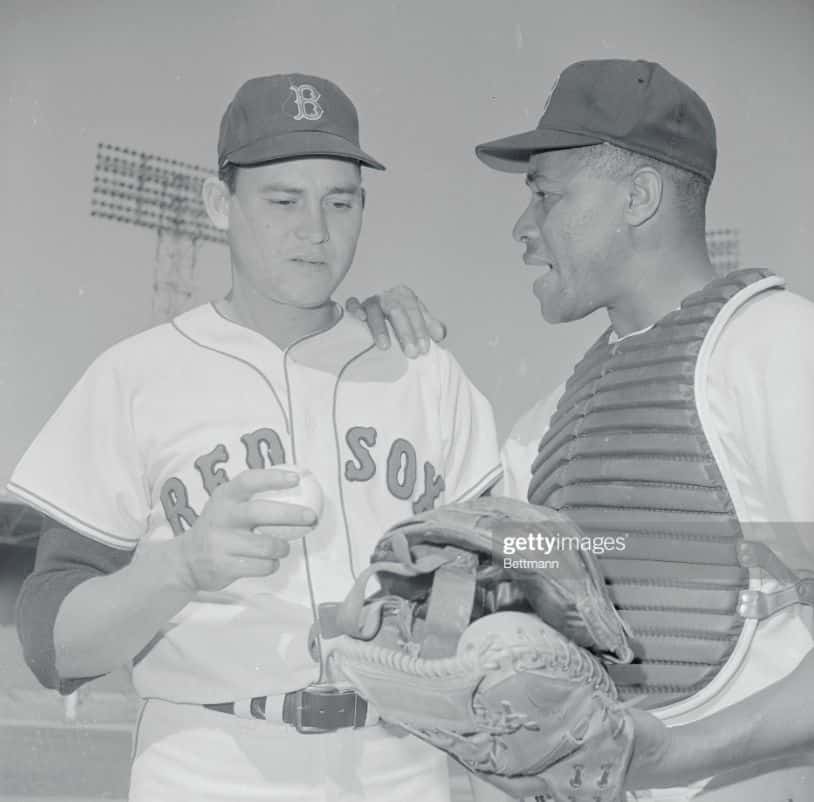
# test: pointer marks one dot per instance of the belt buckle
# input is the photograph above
(328, 716)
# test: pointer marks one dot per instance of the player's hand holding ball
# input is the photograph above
(243, 530)
(306, 493)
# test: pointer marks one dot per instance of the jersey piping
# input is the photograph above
(242, 362)
(71, 521)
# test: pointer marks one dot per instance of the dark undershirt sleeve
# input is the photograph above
(64, 560)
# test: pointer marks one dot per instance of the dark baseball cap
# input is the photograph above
(289, 116)
(635, 105)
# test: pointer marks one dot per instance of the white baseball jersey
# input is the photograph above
(160, 419)
(760, 397)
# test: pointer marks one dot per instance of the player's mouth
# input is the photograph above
(537, 260)
(308, 260)
(545, 278)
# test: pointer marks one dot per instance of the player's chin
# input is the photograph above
(556, 308)
(553, 312)
(320, 290)
(313, 296)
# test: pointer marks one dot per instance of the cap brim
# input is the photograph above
(299, 143)
(512, 153)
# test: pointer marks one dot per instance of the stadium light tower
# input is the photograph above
(141, 189)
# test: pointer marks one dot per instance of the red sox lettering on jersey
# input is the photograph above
(264, 448)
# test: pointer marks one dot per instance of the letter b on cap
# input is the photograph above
(307, 99)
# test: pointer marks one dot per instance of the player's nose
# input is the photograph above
(526, 227)
(312, 226)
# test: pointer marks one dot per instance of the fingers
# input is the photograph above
(287, 533)
(401, 305)
(374, 315)
(436, 329)
(260, 512)
(414, 325)
(253, 546)
(213, 559)
(256, 567)
(355, 309)
(402, 325)
(255, 480)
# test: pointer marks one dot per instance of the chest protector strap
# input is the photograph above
(627, 458)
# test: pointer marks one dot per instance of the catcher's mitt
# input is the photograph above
(455, 649)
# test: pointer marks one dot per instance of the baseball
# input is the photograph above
(499, 627)
(308, 493)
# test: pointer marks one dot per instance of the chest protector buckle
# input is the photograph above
(794, 589)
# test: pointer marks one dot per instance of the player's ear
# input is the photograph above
(646, 188)
(364, 197)
(216, 200)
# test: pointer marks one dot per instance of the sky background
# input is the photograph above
(431, 79)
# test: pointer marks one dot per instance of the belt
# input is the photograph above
(310, 710)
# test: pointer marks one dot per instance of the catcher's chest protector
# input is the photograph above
(626, 454)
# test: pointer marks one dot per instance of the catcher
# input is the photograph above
(686, 428)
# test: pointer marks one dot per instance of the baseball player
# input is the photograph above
(176, 545)
(686, 428)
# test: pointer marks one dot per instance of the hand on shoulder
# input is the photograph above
(413, 324)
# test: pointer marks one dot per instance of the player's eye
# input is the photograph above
(281, 201)
(338, 203)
